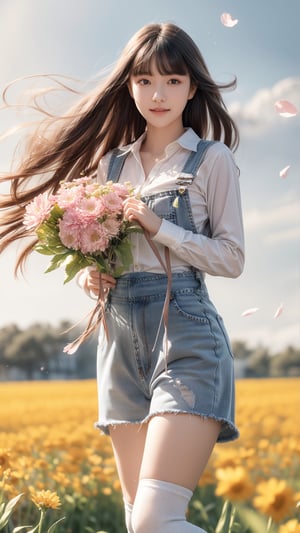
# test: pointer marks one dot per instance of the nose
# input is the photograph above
(158, 96)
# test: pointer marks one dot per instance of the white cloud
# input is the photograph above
(283, 218)
(258, 114)
(280, 236)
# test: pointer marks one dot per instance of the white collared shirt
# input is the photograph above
(214, 195)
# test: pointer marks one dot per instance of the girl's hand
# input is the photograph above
(89, 280)
(138, 211)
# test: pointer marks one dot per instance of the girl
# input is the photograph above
(166, 394)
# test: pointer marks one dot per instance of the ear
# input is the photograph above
(192, 92)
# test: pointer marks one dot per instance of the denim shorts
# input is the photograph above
(133, 383)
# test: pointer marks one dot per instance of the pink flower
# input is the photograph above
(69, 196)
(121, 190)
(38, 210)
(94, 239)
(83, 216)
(90, 207)
(111, 226)
(91, 189)
(72, 217)
(83, 223)
(85, 181)
(112, 202)
(70, 231)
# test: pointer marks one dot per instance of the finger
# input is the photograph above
(107, 282)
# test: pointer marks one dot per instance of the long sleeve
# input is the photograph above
(222, 252)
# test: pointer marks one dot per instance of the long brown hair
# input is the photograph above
(61, 148)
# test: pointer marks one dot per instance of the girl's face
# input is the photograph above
(161, 98)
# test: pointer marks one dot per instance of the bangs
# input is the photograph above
(166, 57)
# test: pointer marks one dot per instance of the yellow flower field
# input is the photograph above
(48, 443)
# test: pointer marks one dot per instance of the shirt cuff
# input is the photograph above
(169, 234)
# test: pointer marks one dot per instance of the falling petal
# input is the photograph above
(278, 311)
(285, 108)
(228, 21)
(250, 311)
(283, 172)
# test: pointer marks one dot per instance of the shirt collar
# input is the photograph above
(188, 140)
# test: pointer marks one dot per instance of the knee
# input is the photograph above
(160, 506)
(146, 514)
(144, 518)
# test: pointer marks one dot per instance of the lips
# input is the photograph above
(159, 110)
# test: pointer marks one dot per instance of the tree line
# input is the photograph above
(37, 353)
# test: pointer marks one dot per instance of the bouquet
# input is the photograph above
(82, 225)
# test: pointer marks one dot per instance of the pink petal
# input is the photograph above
(278, 311)
(283, 172)
(250, 311)
(228, 21)
(285, 108)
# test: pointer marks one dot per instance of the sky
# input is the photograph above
(79, 38)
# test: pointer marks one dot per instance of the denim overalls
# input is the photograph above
(133, 381)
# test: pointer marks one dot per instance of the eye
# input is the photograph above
(174, 81)
(143, 81)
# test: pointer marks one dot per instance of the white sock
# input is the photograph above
(160, 507)
(128, 513)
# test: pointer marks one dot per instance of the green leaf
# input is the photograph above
(70, 500)
(101, 264)
(198, 505)
(76, 263)
(56, 262)
(124, 253)
(224, 520)
(134, 229)
(20, 528)
(52, 528)
(48, 234)
(34, 529)
(118, 271)
(252, 519)
(46, 249)
(8, 510)
(42, 249)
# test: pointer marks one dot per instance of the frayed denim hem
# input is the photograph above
(228, 432)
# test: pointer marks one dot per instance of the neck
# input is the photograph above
(157, 139)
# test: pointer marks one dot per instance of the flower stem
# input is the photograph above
(269, 526)
(41, 520)
(232, 517)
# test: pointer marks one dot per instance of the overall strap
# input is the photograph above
(118, 158)
(116, 163)
(195, 158)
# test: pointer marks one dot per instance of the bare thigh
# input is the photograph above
(128, 441)
(171, 447)
(178, 447)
